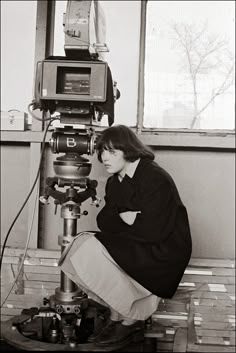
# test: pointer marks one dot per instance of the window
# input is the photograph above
(18, 30)
(189, 65)
(122, 20)
(59, 34)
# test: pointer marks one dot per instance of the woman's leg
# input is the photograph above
(98, 272)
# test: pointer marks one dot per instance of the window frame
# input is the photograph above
(196, 138)
(156, 137)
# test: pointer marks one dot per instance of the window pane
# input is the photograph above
(122, 20)
(59, 38)
(189, 65)
(18, 29)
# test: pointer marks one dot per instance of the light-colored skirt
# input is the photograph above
(90, 266)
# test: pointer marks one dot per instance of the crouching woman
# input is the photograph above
(144, 244)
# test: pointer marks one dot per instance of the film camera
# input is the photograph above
(78, 87)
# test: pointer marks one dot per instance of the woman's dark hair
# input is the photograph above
(121, 137)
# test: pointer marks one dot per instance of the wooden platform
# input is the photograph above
(199, 318)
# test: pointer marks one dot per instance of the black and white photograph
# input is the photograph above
(117, 176)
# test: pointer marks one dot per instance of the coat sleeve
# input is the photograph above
(108, 219)
(158, 211)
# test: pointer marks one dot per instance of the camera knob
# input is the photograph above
(44, 200)
(45, 301)
(96, 201)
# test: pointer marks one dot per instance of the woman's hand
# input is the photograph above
(129, 216)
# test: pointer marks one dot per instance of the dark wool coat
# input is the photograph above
(156, 249)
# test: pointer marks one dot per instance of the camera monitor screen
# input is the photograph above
(73, 81)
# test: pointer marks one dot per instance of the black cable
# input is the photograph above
(27, 198)
(22, 259)
(36, 117)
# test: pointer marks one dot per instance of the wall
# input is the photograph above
(206, 183)
(18, 28)
(206, 180)
(14, 188)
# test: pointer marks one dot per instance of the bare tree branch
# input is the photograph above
(205, 54)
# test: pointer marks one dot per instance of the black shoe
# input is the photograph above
(99, 330)
(94, 336)
(118, 335)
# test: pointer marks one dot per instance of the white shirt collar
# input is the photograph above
(131, 167)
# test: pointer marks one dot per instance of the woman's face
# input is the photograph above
(114, 161)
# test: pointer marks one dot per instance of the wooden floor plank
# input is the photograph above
(200, 262)
(214, 317)
(221, 310)
(34, 253)
(208, 287)
(210, 294)
(45, 292)
(31, 261)
(213, 271)
(215, 341)
(42, 277)
(174, 307)
(10, 311)
(36, 269)
(171, 323)
(37, 297)
(216, 325)
(214, 333)
(180, 341)
(40, 284)
(199, 317)
(164, 346)
(214, 302)
(209, 279)
(200, 348)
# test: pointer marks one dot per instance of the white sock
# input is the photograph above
(127, 322)
(115, 316)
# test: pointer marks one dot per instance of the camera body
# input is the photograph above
(69, 83)
(78, 86)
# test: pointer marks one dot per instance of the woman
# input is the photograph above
(144, 244)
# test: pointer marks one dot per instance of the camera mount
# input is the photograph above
(71, 172)
(79, 87)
